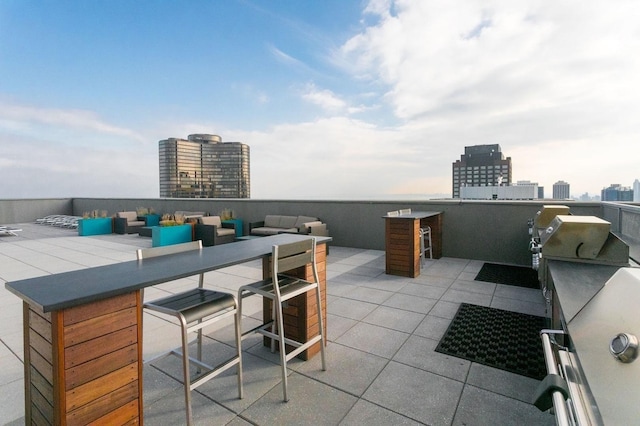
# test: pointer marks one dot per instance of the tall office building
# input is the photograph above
(561, 190)
(617, 192)
(481, 165)
(203, 167)
(636, 191)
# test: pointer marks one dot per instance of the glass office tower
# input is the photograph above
(481, 165)
(203, 167)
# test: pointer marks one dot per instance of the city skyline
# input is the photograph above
(337, 99)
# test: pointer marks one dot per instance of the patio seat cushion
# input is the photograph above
(272, 221)
(287, 222)
(130, 216)
(266, 230)
(225, 231)
(211, 220)
(217, 222)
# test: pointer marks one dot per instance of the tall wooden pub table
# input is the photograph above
(83, 330)
(402, 241)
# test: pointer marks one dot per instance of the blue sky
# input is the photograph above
(336, 98)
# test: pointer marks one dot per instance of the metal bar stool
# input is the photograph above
(196, 309)
(425, 244)
(280, 288)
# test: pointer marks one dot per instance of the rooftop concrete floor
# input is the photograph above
(382, 332)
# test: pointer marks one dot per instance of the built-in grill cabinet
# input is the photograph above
(594, 376)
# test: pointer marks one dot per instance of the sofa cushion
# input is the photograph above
(272, 221)
(211, 220)
(287, 222)
(135, 223)
(130, 216)
(225, 231)
(301, 220)
(265, 230)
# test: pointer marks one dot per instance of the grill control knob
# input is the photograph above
(624, 347)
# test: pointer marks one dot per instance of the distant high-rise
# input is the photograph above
(481, 165)
(561, 190)
(617, 192)
(203, 167)
(636, 190)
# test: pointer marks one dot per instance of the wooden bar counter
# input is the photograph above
(83, 331)
(402, 241)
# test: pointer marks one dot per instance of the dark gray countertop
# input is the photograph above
(413, 215)
(68, 289)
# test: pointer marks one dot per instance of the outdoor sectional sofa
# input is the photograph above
(278, 224)
(127, 223)
(213, 232)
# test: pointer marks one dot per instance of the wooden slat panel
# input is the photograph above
(102, 307)
(102, 386)
(41, 364)
(79, 354)
(105, 410)
(41, 345)
(40, 325)
(125, 415)
(37, 418)
(99, 326)
(93, 369)
(39, 382)
(41, 404)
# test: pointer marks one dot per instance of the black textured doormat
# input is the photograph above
(502, 339)
(508, 274)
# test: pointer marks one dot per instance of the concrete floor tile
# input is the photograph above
(423, 290)
(350, 308)
(411, 303)
(432, 327)
(310, 400)
(396, 319)
(420, 353)
(366, 413)
(502, 382)
(460, 296)
(422, 396)
(370, 295)
(342, 361)
(481, 407)
(373, 339)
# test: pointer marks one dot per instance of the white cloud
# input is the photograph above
(325, 99)
(31, 117)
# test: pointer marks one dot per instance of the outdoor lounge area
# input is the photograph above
(382, 331)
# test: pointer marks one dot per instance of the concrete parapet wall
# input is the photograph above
(493, 231)
(28, 210)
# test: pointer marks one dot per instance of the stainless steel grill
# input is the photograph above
(597, 359)
(592, 303)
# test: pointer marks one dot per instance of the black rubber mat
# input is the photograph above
(502, 339)
(508, 274)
